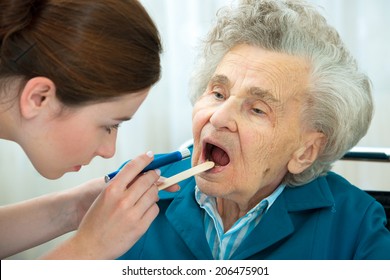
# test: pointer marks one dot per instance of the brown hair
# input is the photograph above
(92, 50)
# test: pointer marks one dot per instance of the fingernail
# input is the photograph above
(150, 154)
(161, 179)
(158, 171)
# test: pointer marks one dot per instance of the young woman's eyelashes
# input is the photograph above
(110, 128)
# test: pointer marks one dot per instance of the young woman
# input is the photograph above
(70, 72)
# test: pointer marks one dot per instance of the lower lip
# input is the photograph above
(77, 168)
(216, 169)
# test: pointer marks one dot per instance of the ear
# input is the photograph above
(36, 96)
(307, 153)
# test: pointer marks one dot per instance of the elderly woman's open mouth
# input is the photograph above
(216, 154)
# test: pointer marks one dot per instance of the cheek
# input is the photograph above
(75, 141)
(257, 142)
(196, 126)
(274, 151)
(285, 143)
(196, 134)
(71, 145)
(200, 117)
(258, 152)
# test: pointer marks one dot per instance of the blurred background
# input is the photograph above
(163, 122)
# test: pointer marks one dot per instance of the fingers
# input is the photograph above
(148, 217)
(145, 207)
(132, 169)
(133, 189)
(173, 188)
(138, 190)
(144, 188)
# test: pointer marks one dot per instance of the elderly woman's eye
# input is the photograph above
(258, 111)
(218, 95)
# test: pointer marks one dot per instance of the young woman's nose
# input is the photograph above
(224, 116)
(107, 148)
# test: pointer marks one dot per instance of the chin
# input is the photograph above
(46, 170)
(209, 188)
(51, 175)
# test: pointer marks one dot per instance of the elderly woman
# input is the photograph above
(277, 99)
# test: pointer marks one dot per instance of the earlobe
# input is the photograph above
(307, 154)
(36, 96)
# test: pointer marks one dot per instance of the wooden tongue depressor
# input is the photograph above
(186, 174)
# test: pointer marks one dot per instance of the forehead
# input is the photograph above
(257, 71)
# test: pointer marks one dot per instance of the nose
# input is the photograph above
(225, 116)
(108, 148)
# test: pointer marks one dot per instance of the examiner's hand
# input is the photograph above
(119, 216)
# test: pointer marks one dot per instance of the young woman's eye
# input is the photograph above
(110, 128)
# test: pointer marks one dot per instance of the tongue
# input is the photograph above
(219, 156)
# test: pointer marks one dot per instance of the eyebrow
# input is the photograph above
(257, 92)
(264, 94)
(220, 79)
